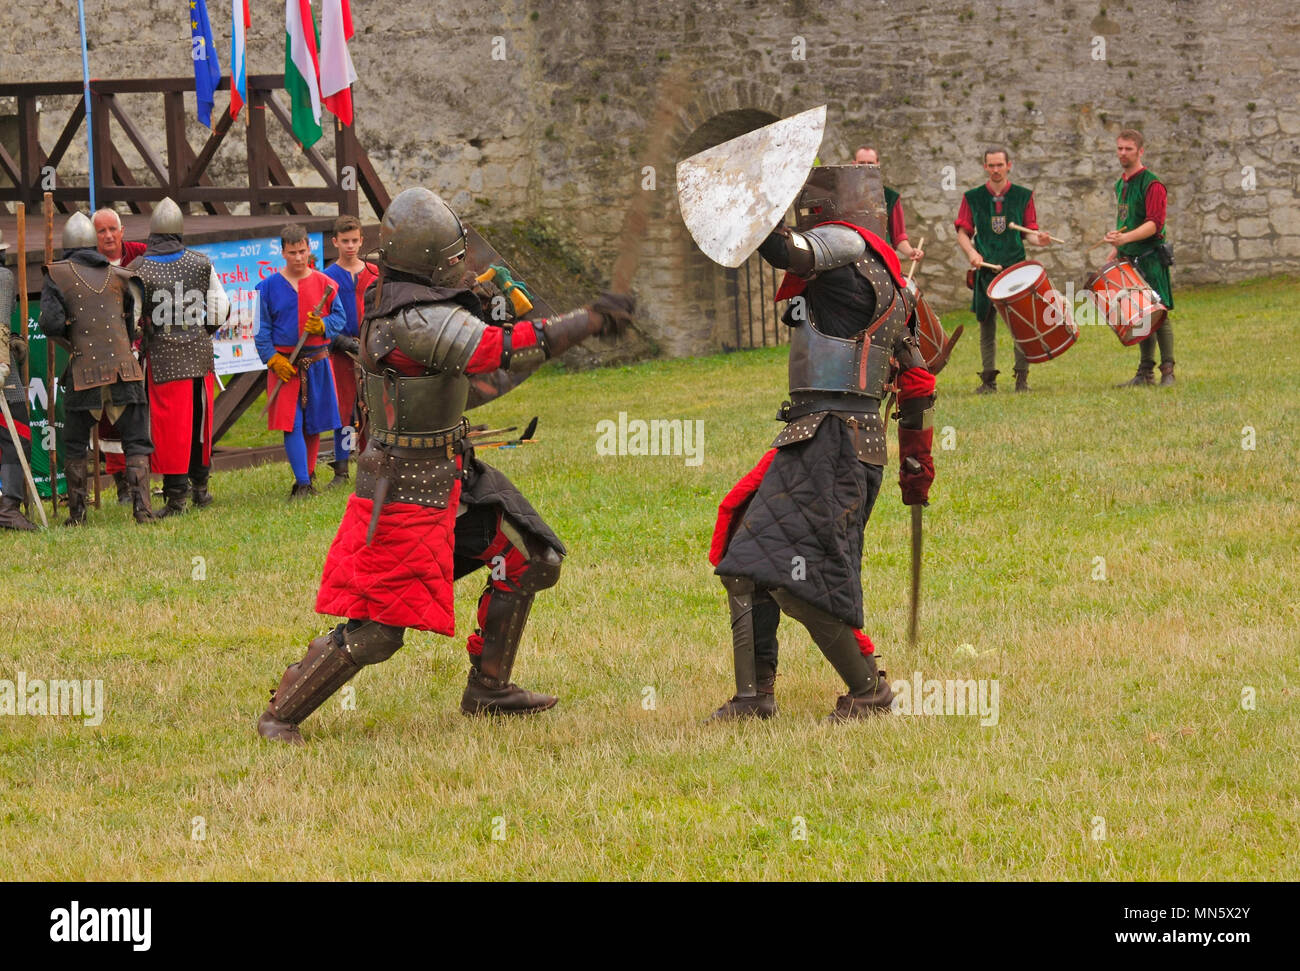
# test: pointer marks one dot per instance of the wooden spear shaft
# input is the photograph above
(53, 454)
(32, 498)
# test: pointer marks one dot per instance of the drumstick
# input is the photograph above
(990, 266)
(1100, 242)
(912, 269)
(1024, 230)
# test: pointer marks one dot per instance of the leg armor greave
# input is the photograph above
(740, 601)
(331, 661)
(507, 613)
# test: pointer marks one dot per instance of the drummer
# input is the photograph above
(985, 235)
(1140, 237)
(895, 229)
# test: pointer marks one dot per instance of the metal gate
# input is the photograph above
(757, 319)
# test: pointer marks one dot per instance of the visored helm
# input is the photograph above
(847, 193)
(421, 235)
(79, 232)
(167, 219)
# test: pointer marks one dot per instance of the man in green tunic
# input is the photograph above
(985, 235)
(895, 225)
(1138, 237)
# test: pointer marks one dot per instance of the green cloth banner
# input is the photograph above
(38, 396)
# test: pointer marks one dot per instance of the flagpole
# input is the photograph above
(85, 86)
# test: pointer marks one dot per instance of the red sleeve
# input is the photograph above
(897, 229)
(1157, 199)
(964, 219)
(915, 382)
(1031, 215)
(131, 250)
(487, 357)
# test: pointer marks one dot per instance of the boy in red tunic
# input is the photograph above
(353, 275)
(299, 303)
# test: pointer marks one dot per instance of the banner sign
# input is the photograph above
(241, 265)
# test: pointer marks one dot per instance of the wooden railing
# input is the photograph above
(183, 175)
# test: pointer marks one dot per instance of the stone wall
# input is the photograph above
(523, 112)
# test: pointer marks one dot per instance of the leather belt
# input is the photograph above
(445, 439)
(844, 404)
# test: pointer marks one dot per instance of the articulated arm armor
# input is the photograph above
(824, 248)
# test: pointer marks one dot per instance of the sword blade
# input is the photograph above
(916, 575)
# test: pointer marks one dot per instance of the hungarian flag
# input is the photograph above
(337, 74)
(207, 71)
(239, 24)
(302, 70)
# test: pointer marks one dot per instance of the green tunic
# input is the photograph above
(891, 200)
(997, 244)
(1132, 199)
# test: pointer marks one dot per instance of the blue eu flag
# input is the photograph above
(207, 70)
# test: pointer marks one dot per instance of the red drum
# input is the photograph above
(1123, 298)
(928, 329)
(1039, 317)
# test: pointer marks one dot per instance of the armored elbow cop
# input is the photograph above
(824, 248)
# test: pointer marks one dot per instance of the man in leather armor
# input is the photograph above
(426, 511)
(184, 304)
(13, 354)
(118, 252)
(789, 535)
(91, 306)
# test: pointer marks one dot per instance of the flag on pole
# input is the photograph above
(337, 74)
(302, 70)
(239, 24)
(207, 70)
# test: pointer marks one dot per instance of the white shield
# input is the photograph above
(732, 195)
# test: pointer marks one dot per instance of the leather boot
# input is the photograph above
(1022, 380)
(199, 493)
(137, 478)
(340, 475)
(123, 490)
(77, 474)
(873, 700)
(1166, 374)
(305, 686)
(175, 488)
(11, 516)
(760, 705)
(1145, 377)
(988, 382)
(302, 490)
(489, 690)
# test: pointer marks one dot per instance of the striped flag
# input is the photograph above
(337, 74)
(239, 24)
(207, 70)
(302, 70)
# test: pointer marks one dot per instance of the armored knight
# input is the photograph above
(13, 354)
(184, 304)
(426, 510)
(789, 535)
(90, 306)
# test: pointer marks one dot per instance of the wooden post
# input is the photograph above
(345, 158)
(50, 384)
(255, 138)
(22, 325)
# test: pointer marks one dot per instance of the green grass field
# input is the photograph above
(1147, 726)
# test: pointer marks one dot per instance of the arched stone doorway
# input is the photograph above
(698, 306)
